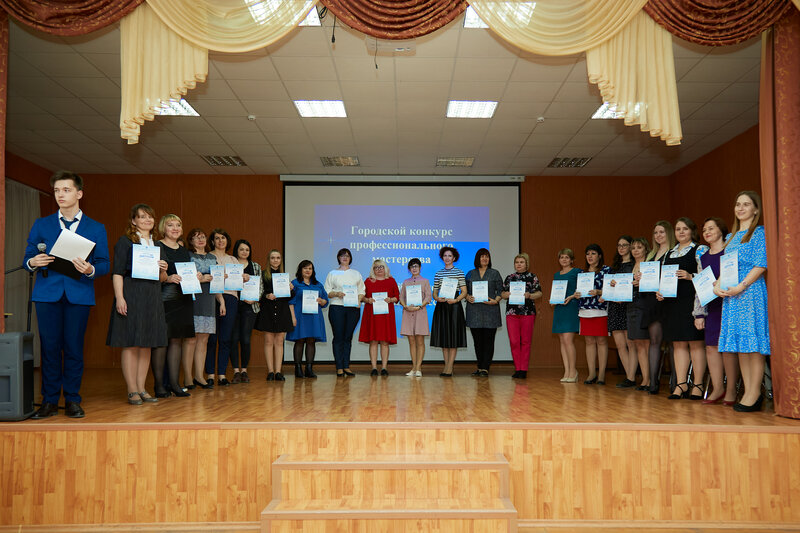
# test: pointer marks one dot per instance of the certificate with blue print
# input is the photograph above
(145, 262)
(651, 277)
(310, 305)
(448, 288)
(704, 285)
(623, 292)
(480, 291)
(189, 282)
(585, 284)
(558, 293)
(609, 294)
(669, 281)
(414, 295)
(350, 298)
(280, 285)
(251, 289)
(729, 270)
(380, 306)
(234, 279)
(516, 293)
(217, 285)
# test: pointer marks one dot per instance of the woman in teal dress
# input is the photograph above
(565, 316)
(745, 322)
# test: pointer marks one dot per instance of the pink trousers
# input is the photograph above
(520, 333)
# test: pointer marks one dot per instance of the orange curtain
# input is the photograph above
(76, 17)
(3, 102)
(396, 19)
(779, 131)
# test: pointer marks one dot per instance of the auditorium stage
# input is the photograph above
(579, 456)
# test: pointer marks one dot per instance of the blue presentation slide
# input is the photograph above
(397, 234)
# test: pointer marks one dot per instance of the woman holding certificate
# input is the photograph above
(678, 295)
(178, 310)
(345, 287)
(377, 324)
(593, 314)
(448, 330)
(308, 296)
(638, 312)
(745, 328)
(275, 318)
(221, 242)
(137, 323)
(205, 321)
(663, 242)
(484, 292)
(719, 365)
(246, 315)
(618, 315)
(415, 295)
(565, 313)
(521, 289)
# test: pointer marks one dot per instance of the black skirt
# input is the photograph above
(144, 326)
(449, 327)
(180, 317)
(274, 316)
(617, 316)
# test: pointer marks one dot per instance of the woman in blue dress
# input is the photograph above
(565, 316)
(745, 325)
(308, 327)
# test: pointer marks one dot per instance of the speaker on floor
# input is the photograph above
(16, 376)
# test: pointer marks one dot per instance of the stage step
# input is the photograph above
(398, 493)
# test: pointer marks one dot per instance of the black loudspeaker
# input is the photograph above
(16, 376)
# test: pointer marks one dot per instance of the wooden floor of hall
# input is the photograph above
(498, 399)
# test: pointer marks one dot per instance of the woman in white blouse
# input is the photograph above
(344, 315)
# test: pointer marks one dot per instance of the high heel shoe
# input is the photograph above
(709, 401)
(180, 393)
(742, 408)
(298, 371)
(683, 393)
(590, 381)
(573, 379)
(348, 373)
(310, 372)
(190, 387)
(697, 396)
(164, 394)
(208, 385)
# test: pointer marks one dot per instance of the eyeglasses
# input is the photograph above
(378, 267)
(623, 246)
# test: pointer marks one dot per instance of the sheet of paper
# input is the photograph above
(235, 277)
(623, 292)
(651, 276)
(516, 293)
(729, 270)
(217, 285)
(310, 305)
(559, 291)
(251, 289)
(414, 295)
(380, 307)
(609, 294)
(281, 287)
(71, 246)
(145, 261)
(585, 284)
(480, 291)
(669, 281)
(704, 285)
(350, 298)
(189, 282)
(448, 288)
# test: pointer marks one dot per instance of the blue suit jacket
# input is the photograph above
(55, 285)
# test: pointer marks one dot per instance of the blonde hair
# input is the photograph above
(527, 259)
(670, 238)
(166, 219)
(568, 252)
(268, 269)
(379, 262)
(756, 199)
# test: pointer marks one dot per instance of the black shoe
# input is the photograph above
(696, 397)
(374, 372)
(348, 373)
(446, 375)
(45, 411)
(279, 377)
(742, 408)
(245, 377)
(515, 374)
(643, 388)
(237, 378)
(223, 382)
(601, 382)
(271, 376)
(189, 387)
(208, 385)
(626, 384)
(162, 394)
(683, 394)
(384, 372)
(476, 373)
(653, 390)
(298, 371)
(484, 373)
(590, 381)
(180, 393)
(523, 374)
(310, 372)
(74, 410)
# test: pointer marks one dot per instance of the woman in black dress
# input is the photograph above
(274, 318)
(618, 315)
(137, 321)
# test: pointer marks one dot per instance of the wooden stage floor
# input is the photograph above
(541, 399)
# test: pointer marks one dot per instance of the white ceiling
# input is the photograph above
(64, 102)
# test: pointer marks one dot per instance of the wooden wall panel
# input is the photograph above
(213, 474)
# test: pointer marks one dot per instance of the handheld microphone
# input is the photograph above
(42, 247)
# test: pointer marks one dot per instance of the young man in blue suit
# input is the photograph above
(62, 301)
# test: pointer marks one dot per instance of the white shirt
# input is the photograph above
(77, 218)
(337, 279)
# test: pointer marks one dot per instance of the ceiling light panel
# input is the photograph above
(470, 109)
(177, 108)
(340, 161)
(455, 161)
(320, 108)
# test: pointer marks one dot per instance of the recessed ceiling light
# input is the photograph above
(470, 109)
(312, 19)
(320, 108)
(340, 161)
(608, 111)
(515, 14)
(454, 161)
(569, 162)
(224, 160)
(472, 20)
(179, 108)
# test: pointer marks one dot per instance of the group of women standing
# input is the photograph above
(729, 335)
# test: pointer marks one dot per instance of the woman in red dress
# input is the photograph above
(379, 328)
